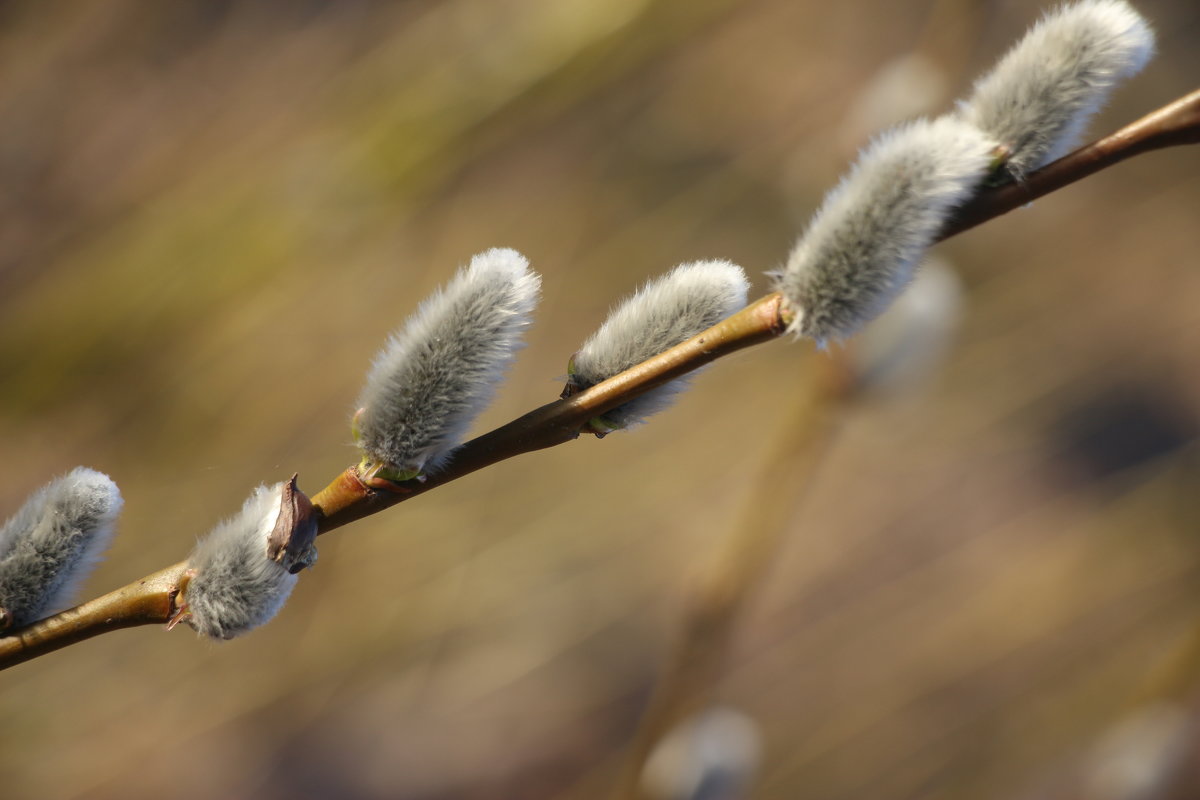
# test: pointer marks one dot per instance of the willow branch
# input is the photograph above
(149, 601)
(154, 599)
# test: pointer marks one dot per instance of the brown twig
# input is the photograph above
(149, 601)
(153, 599)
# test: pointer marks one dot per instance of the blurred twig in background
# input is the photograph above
(718, 594)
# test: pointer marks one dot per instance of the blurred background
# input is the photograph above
(211, 215)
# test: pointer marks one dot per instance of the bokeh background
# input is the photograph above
(211, 214)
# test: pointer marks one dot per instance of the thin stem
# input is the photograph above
(149, 601)
(152, 600)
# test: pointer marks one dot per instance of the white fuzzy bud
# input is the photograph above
(687, 300)
(52, 542)
(243, 572)
(1144, 756)
(861, 247)
(436, 374)
(713, 755)
(1040, 96)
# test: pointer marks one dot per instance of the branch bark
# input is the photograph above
(154, 599)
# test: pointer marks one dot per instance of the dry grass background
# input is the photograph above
(212, 213)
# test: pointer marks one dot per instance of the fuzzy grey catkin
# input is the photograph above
(663, 313)
(437, 373)
(862, 245)
(712, 755)
(1042, 93)
(53, 541)
(236, 585)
